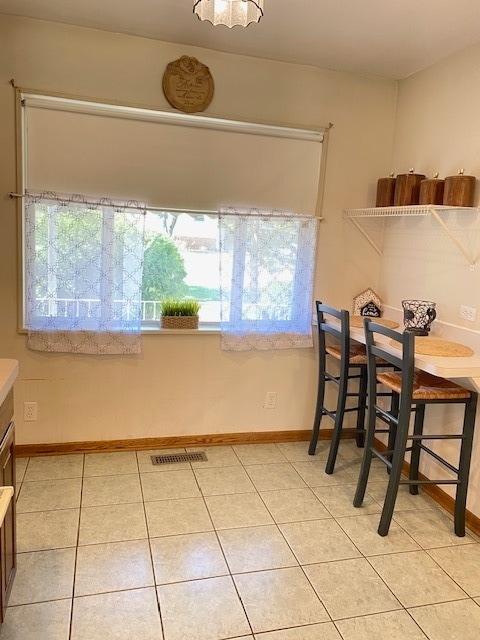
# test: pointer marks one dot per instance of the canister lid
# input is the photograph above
(460, 175)
(411, 172)
(434, 178)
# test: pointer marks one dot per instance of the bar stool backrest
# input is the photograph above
(340, 333)
(376, 350)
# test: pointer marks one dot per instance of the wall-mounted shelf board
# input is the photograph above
(413, 210)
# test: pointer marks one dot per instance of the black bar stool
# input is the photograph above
(416, 390)
(353, 366)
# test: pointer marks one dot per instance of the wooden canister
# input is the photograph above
(431, 191)
(385, 191)
(459, 190)
(407, 188)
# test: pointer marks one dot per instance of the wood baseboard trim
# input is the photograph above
(439, 495)
(217, 439)
(103, 446)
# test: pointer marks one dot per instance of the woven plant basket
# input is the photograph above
(179, 322)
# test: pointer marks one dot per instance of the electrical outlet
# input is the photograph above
(30, 411)
(270, 400)
(468, 313)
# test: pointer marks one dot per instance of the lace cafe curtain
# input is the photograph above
(266, 279)
(83, 274)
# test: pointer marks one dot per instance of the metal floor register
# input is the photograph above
(172, 458)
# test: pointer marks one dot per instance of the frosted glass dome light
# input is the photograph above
(229, 12)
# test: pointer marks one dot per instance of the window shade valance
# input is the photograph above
(168, 159)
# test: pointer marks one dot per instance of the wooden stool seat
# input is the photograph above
(357, 353)
(425, 386)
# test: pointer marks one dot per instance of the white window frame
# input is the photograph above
(78, 103)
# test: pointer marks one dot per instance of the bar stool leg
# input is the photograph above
(464, 465)
(367, 457)
(319, 412)
(392, 434)
(394, 479)
(337, 427)
(415, 458)
(362, 406)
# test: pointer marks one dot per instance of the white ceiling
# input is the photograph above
(391, 38)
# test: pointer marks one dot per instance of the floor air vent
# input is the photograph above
(172, 458)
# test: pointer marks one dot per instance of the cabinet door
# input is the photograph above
(7, 532)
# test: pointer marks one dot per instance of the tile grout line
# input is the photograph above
(292, 551)
(367, 558)
(369, 563)
(362, 557)
(444, 570)
(223, 551)
(76, 550)
(157, 596)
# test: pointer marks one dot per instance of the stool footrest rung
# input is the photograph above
(383, 453)
(382, 457)
(350, 409)
(439, 458)
(385, 420)
(331, 378)
(458, 436)
(423, 448)
(430, 481)
(331, 414)
(381, 413)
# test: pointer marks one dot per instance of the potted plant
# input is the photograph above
(179, 313)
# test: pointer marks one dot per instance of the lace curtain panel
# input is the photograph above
(267, 263)
(83, 274)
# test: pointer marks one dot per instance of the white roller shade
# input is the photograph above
(168, 159)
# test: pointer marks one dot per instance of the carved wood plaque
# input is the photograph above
(188, 85)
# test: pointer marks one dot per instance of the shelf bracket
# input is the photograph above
(411, 210)
(454, 239)
(365, 235)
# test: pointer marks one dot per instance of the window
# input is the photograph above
(267, 264)
(181, 260)
(185, 168)
(83, 274)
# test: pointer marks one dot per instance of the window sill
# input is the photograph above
(156, 331)
(149, 331)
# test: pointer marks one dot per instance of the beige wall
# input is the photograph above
(437, 128)
(186, 384)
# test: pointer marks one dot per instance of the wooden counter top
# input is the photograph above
(8, 374)
(464, 370)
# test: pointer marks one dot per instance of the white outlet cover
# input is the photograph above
(468, 313)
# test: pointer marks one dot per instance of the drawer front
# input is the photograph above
(6, 414)
(8, 529)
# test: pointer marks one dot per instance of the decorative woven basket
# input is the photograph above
(179, 322)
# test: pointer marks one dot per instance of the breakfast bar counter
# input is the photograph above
(463, 370)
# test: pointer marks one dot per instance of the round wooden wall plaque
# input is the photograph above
(188, 85)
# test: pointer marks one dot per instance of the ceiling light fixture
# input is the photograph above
(229, 12)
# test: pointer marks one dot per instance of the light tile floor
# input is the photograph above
(257, 542)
